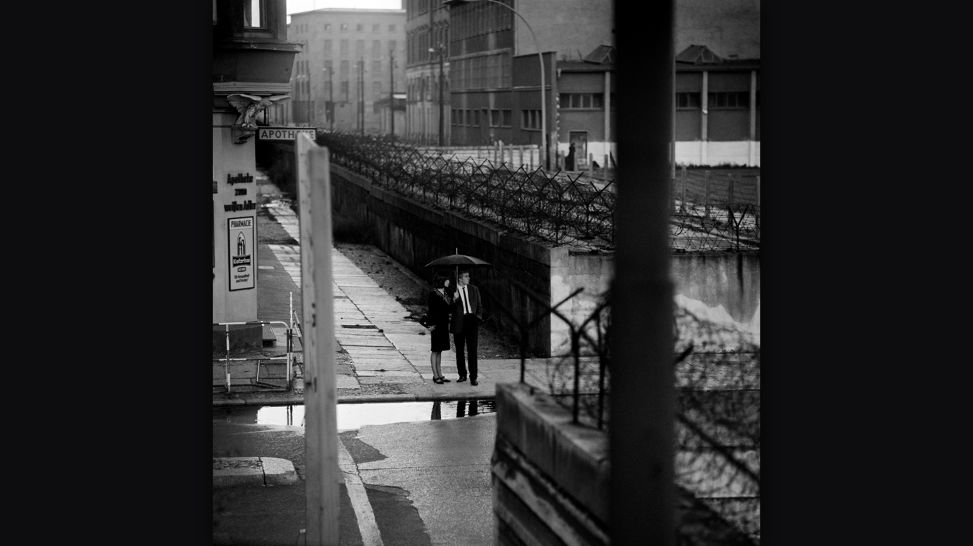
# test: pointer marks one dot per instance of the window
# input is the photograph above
(530, 119)
(391, 28)
(344, 27)
(344, 69)
(376, 48)
(344, 90)
(505, 122)
(327, 26)
(252, 14)
(359, 48)
(476, 118)
(327, 48)
(494, 118)
(359, 27)
(686, 101)
(343, 48)
(728, 100)
(377, 89)
(376, 67)
(376, 27)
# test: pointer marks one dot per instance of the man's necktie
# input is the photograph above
(466, 301)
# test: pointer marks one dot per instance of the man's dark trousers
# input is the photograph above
(466, 336)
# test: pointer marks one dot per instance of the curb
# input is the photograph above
(363, 399)
(253, 471)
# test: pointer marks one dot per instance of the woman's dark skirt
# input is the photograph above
(440, 339)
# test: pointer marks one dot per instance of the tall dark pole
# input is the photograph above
(392, 92)
(361, 96)
(642, 498)
(331, 96)
(441, 95)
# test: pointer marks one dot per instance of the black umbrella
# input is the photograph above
(457, 260)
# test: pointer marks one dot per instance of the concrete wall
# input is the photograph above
(728, 280)
(550, 477)
(697, 152)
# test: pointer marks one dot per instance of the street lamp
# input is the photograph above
(540, 57)
(329, 109)
(440, 51)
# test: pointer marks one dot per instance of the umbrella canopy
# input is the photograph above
(457, 260)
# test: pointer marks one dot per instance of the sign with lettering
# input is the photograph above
(241, 252)
(285, 133)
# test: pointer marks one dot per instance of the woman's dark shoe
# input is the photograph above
(444, 380)
(437, 380)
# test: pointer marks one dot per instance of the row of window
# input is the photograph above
(377, 50)
(529, 119)
(720, 99)
(479, 18)
(359, 27)
(579, 101)
(419, 41)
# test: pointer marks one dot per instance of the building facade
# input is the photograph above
(252, 63)
(488, 105)
(717, 109)
(427, 72)
(352, 58)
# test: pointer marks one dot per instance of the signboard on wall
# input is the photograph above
(241, 250)
(284, 133)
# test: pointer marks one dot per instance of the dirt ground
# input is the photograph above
(411, 291)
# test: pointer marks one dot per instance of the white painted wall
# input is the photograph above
(743, 152)
(233, 159)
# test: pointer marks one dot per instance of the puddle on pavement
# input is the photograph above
(355, 416)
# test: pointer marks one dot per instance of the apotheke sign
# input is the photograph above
(284, 133)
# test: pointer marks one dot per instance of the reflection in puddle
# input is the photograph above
(355, 416)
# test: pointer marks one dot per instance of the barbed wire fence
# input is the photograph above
(554, 206)
(716, 366)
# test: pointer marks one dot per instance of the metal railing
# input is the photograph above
(291, 327)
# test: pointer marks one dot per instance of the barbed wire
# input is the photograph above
(553, 206)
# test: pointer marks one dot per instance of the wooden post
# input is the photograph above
(320, 396)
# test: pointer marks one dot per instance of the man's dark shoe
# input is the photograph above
(473, 382)
(461, 379)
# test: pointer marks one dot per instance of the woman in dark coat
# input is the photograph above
(440, 304)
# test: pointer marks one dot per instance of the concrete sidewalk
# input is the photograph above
(383, 355)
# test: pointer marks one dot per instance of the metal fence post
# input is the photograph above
(226, 365)
(706, 192)
(730, 192)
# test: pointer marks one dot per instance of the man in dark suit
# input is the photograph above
(467, 314)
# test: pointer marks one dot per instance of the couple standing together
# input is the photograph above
(459, 311)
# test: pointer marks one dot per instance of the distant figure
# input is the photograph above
(569, 159)
(594, 164)
(437, 320)
(467, 314)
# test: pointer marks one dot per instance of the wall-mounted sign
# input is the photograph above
(243, 178)
(284, 133)
(241, 252)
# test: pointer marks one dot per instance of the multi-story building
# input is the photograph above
(427, 72)
(252, 62)
(484, 38)
(352, 58)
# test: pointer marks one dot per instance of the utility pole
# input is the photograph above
(392, 92)
(331, 97)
